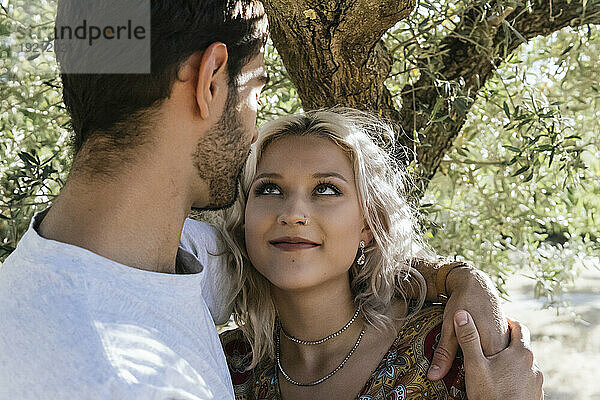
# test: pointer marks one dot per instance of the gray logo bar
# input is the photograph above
(103, 36)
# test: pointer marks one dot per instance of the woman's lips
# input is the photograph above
(293, 243)
(287, 246)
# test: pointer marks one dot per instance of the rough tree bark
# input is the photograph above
(332, 49)
(334, 55)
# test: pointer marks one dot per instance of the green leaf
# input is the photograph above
(436, 107)
(25, 159)
(428, 5)
(461, 105)
(545, 147)
(6, 248)
(529, 177)
(551, 158)
(461, 152)
(28, 159)
(513, 30)
(440, 119)
(521, 170)
(535, 139)
(565, 51)
(512, 148)
(506, 109)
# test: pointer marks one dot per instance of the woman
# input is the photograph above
(328, 247)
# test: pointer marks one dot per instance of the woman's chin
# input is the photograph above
(303, 281)
(292, 282)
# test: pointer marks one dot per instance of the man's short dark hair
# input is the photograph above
(114, 107)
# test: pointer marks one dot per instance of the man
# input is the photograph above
(91, 306)
(112, 293)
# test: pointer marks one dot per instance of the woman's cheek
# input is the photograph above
(255, 222)
(345, 227)
(249, 227)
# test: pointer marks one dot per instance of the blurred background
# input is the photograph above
(518, 194)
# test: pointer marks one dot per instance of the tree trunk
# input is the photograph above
(332, 50)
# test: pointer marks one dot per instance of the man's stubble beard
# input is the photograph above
(220, 156)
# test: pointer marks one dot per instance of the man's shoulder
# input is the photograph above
(42, 303)
(47, 340)
(199, 237)
(28, 283)
(36, 299)
(198, 228)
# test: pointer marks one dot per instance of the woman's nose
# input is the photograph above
(293, 213)
(292, 219)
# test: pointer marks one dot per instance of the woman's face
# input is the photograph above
(303, 218)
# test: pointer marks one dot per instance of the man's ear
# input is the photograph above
(212, 78)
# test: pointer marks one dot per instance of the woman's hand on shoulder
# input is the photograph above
(509, 374)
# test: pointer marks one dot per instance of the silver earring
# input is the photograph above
(361, 258)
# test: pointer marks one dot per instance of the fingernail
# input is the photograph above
(461, 318)
(434, 371)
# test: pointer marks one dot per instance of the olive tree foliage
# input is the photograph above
(498, 103)
(34, 156)
(520, 189)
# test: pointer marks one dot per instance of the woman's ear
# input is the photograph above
(366, 234)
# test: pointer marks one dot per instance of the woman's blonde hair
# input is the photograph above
(369, 144)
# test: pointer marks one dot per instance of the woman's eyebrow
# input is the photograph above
(267, 175)
(316, 175)
(329, 175)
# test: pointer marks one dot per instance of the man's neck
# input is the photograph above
(135, 220)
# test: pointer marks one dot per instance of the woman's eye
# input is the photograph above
(267, 188)
(325, 189)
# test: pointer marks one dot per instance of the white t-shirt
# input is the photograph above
(75, 325)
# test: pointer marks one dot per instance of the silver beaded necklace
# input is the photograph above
(315, 342)
(326, 338)
(323, 379)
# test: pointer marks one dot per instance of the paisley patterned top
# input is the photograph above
(401, 374)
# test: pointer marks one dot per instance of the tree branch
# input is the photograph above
(365, 22)
(470, 54)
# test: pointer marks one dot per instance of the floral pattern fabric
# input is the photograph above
(400, 375)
